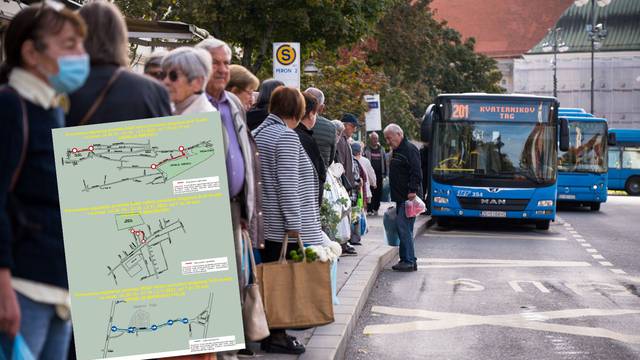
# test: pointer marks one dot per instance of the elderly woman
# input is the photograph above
(260, 109)
(289, 190)
(187, 72)
(242, 83)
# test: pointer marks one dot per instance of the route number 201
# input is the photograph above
(460, 111)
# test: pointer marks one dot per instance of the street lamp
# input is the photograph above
(310, 68)
(596, 33)
(555, 44)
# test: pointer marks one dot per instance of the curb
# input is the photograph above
(329, 342)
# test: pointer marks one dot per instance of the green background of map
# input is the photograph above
(93, 241)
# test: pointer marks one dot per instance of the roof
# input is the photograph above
(626, 136)
(496, 97)
(502, 28)
(583, 119)
(620, 18)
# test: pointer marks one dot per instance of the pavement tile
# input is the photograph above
(325, 341)
(331, 329)
(318, 354)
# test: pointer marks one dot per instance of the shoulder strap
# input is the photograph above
(25, 137)
(96, 104)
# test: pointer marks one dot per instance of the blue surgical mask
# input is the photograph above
(73, 72)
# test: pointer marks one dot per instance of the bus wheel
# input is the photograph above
(633, 186)
(595, 206)
(543, 224)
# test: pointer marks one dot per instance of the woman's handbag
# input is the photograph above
(296, 295)
(253, 316)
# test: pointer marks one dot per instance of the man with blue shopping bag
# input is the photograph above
(405, 177)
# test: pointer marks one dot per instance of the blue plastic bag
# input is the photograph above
(334, 282)
(391, 235)
(363, 223)
(20, 350)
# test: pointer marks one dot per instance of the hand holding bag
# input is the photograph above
(296, 295)
(253, 316)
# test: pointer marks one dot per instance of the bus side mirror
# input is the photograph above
(426, 126)
(611, 139)
(564, 135)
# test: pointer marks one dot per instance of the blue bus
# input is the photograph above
(624, 161)
(494, 156)
(582, 170)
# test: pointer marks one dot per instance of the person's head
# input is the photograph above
(319, 95)
(153, 65)
(310, 111)
(221, 59)
(106, 41)
(288, 104)
(339, 127)
(242, 83)
(374, 139)
(350, 122)
(394, 135)
(356, 149)
(46, 40)
(187, 71)
(266, 89)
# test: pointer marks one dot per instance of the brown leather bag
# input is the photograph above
(296, 295)
(253, 316)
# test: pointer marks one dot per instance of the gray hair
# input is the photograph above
(339, 126)
(213, 43)
(317, 93)
(155, 59)
(393, 128)
(193, 62)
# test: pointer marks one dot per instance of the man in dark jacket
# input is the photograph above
(405, 178)
(324, 132)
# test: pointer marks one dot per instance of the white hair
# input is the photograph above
(193, 62)
(317, 93)
(393, 128)
(213, 43)
(339, 126)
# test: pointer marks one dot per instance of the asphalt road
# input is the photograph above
(495, 291)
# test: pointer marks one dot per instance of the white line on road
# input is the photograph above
(580, 240)
(605, 263)
(618, 271)
(435, 263)
(597, 256)
(592, 250)
(586, 245)
(496, 236)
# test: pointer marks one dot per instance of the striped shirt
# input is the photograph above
(289, 184)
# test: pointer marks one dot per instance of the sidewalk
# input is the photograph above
(356, 276)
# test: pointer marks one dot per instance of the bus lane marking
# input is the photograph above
(533, 321)
(439, 263)
(496, 236)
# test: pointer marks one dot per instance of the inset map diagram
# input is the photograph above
(141, 326)
(145, 257)
(138, 162)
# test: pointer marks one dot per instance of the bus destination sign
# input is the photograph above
(498, 111)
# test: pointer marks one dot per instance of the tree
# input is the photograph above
(252, 26)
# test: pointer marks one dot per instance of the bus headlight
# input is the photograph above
(595, 187)
(440, 200)
(544, 203)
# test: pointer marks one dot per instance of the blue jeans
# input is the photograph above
(45, 333)
(405, 232)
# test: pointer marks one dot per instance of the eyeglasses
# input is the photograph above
(173, 75)
(160, 75)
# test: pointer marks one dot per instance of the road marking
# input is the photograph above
(605, 263)
(468, 284)
(597, 257)
(578, 236)
(439, 263)
(592, 250)
(586, 245)
(573, 232)
(618, 271)
(496, 236)
(580, 240)
(445, 320)
(515, 285)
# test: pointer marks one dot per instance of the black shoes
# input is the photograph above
(348, 250)
(355, 244)
(405, 267)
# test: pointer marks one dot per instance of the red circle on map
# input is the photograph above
(153, 166)
(74, 150)
(181, 148)
(90, 147)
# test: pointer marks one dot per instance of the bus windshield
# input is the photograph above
(587, 150)
(486, 153)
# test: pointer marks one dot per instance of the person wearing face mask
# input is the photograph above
(45, 58)
(113, 92)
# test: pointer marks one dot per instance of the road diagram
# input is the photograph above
(127, 162)
(146, 257)
(141, 326)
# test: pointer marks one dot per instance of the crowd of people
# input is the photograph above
(65, 68)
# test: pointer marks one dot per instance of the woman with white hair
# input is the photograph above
(187, 72)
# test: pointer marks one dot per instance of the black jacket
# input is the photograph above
(132, 96)
(311, 148)
(405, 173)
(256, 116)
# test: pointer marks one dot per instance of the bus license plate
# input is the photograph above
(493, 214)
(567, 196)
